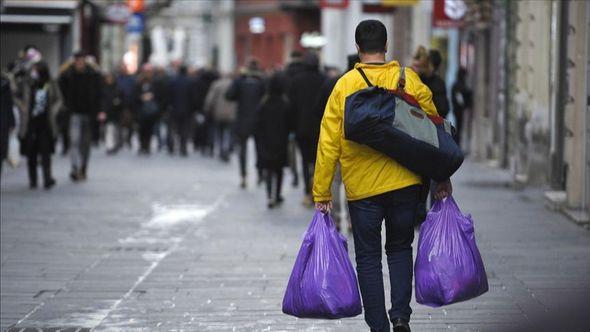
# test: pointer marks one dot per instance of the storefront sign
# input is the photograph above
(448, 13)
(136, 6)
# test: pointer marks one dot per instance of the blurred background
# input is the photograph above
(526, 61)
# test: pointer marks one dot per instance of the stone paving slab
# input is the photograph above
(172, 244)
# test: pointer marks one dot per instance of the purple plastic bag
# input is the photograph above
(448, 267)
(323, 283)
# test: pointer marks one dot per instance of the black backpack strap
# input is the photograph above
(401, 83)
(364, 77)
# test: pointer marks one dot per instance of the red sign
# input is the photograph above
(136, 6)
(448, 13)
(340, 4)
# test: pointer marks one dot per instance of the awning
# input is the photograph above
(35, 19)
(53, 4)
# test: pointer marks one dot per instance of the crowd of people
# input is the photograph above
(167, 109)
(82, 106)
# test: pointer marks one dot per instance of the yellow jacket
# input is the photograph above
(365, 172)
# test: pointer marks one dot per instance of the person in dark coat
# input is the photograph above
(80, 84)
(294, 67)
(112, 106)
(126, 82)
(272, 133)
(147, 96)
(303, 93)
(7, 121)
(461, 99)
(204, 134)
(38, 127)
(247, 90)
(181, 110)
(427, 65)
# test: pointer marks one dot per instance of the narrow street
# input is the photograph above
(167, 244)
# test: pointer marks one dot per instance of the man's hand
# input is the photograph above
(324, 206)
(443, 189)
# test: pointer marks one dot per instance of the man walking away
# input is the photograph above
(223, 113)
(148, 94)
(181, 100)
(80, 85)
(303, 93)
(377, 187)
(294, 67)
(247, 90)
(273, 135)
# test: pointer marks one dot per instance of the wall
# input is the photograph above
(339, 25)
(530, 125)
(577, 139)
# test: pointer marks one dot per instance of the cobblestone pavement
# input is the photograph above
(168, 244)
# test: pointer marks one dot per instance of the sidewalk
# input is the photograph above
(171, 244)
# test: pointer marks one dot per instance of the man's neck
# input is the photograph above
(372, 57)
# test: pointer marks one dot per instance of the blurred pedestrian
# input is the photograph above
(112, 107)
(147, 97)
(303, 93)
(204, 134)
(38, 127)
(377, 187)
(461, 99)
(126, 82)
(97, 124)
(247, 90)
(162, 127)
(181, 110)
(294, 67)
(223, 113)
(426, 64)
(272, 132)
(80, 84)
(7, 121)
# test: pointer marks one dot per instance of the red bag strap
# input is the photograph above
(401, 83)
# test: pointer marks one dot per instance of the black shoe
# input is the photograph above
(50, 183)
(33, 186)
(280, 200)
(401, 325)
(74, 175)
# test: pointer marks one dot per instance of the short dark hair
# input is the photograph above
(371, 36)
(435, 58)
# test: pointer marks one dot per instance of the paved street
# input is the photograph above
(168, 244)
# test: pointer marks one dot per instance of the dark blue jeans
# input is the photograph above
(398, 208)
